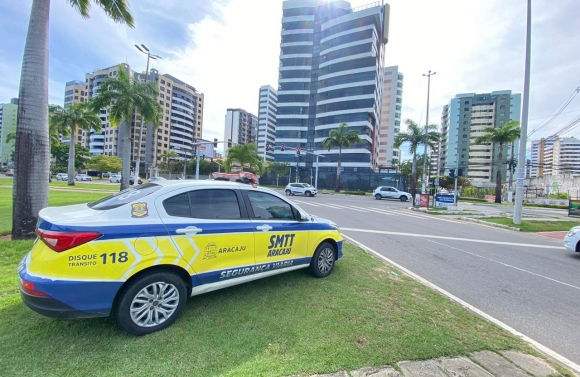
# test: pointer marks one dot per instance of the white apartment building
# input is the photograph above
(390, 115)
(537, 157)
(562, 157)
(267, 121)
(241, 127)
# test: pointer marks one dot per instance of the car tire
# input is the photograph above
(323, 260)
(307, 193)
(378, 197)
(288, 192)
(403, 198)
(132, 304)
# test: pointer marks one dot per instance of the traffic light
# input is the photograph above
(229, 143)
(460, 172)
(282, 147)
(267, 147)
(298, 151)
(452, 173)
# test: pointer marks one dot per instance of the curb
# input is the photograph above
(489, 224)
(450, 213)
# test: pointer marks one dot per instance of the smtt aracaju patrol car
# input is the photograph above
(140, 253)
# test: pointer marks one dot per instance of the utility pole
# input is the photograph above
(517, 219)
(424, 177)
(144, 50)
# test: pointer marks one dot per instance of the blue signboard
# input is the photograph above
(444, 200)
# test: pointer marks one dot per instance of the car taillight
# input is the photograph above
(28, 288)
(61, 241)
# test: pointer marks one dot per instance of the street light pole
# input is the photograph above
(144, 50)
(424, 177)
(517, 219)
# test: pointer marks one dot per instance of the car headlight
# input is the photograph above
(573, 231)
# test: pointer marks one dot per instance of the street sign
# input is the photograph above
(205, 150)
(574, 208)
(444, 200)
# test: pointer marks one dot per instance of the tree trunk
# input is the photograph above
(126, 153)
(414, 175)
(71, 159)
(498, 176)
(31, 149)
(337, 186)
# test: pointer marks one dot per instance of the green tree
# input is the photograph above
(340, 138)
(122, 94)
(416, 136)
(103, 163)
(79, 116)
(278, 169)
(165, 157)
(30, 189)
(244, 154)
(501, 136)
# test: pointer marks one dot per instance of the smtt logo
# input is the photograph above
(280, 244)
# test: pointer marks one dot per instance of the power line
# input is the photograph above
(558, 112)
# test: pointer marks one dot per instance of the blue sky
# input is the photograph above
(227, 49)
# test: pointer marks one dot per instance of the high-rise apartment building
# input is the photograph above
(8, 117)
(392, 104)
(267, 121)
(181, 124)
(463, 120)
(537, 150)
(331, 72)
(562, 157)
(241, 127)
(75, 92)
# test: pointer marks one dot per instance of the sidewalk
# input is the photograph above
(479, 364)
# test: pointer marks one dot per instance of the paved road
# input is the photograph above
(529, 282)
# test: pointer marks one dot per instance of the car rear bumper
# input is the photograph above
(51, 307)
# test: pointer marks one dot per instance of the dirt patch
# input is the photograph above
(7, 237)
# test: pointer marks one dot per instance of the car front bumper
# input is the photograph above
(570, 243)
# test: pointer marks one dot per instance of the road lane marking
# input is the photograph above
(505, 264)
(375, 211)
(451, 238)
(553, 354)
(311, 204)
(340, 207)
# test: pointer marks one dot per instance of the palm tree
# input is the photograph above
(506, 134)
(123, 95)
(340, 137)
(79, 116)
(31, 150)
(244, 154)
(166, 156)
(416, 136)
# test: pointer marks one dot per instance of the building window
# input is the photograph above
(466, 109)
(163, 81)
(166, 111)
(466, 102)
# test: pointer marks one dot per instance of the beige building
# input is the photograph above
(180, 126)
(75, 92)
(391, 106)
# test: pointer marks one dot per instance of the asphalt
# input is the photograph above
(527, 281)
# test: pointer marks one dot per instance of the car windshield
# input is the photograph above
(124, 197)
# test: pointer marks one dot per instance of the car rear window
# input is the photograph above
(124, 197)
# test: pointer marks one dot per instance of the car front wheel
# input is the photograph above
(307, 193)
(323, 260)
(151, 302)
(403, 198)
(378, 197)
(288, 192)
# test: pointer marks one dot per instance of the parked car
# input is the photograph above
(132, 181)
(97, 259)
(62, 177)
(572, 240)
(386, 192)
(156, 179)
(300, 189)
(106, 175)
(115, 178)
(83, 177)
(9, 173)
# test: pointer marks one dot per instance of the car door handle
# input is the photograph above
(190, 230)
(264, 227)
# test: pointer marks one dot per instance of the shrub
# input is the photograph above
(358, 192)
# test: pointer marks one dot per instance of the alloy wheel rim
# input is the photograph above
(325, 260)
(154, 304)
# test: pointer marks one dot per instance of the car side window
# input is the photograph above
(269, 207)
(178, 205)
(214, 204)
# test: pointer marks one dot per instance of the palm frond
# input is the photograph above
(118, 11)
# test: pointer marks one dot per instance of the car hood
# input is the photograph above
(321, 220)
(72, 213)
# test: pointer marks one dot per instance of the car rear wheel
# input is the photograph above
(151, 302)
(403, 198)
(307, 193)
(378, 197)
(323, 260)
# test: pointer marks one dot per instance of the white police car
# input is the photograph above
(140, 253)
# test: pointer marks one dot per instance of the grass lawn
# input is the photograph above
(78, 185)
(55, 198)
(364, 314)
(535, 225)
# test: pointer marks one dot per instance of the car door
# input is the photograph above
(385, 192)
(296, 188)
(280, 239)
(211, 228)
